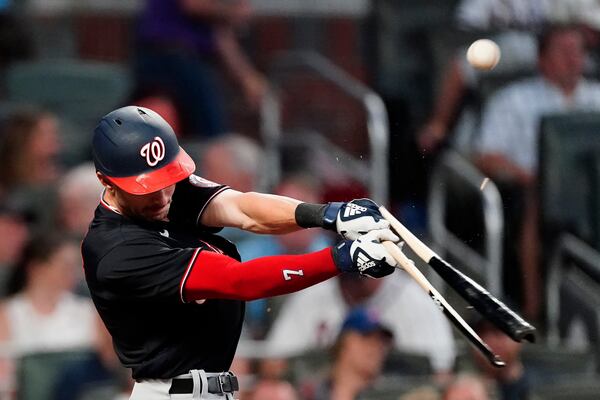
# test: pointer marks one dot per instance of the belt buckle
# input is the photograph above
(221, 380)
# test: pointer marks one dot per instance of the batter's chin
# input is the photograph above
(160, 214)
(163, 216)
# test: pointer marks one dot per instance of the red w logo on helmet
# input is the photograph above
(153, 151)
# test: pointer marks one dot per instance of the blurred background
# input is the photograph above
(498, 170)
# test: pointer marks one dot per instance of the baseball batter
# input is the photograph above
(169, 290)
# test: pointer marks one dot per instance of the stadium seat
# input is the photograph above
(569, 148)
(37, 373)
(102, 392)
(310, 364)
(588, 389)
(78, 92)
(407, 364)
(392, 387)
(545, 364)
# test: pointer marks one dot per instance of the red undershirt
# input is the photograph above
(214, 275)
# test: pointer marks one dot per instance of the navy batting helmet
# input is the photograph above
(137, 150)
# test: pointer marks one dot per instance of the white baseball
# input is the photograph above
(483, 54)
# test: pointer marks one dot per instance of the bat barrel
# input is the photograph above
(485, 303)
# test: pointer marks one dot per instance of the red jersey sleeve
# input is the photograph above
(214, 275)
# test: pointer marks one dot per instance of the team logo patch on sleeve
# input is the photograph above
(201, 182)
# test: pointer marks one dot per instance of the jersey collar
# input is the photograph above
(108, 206)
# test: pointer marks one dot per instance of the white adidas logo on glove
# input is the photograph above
(363, 262)
(354, 219)
(353, 209)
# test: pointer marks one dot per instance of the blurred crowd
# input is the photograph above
(342, 339)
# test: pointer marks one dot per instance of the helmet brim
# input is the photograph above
(152, 181)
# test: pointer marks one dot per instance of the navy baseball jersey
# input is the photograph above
(135, 271)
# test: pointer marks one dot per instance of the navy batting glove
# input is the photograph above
(366, 254)
(350, 220)
(354, 218)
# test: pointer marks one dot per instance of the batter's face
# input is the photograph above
(150, 207)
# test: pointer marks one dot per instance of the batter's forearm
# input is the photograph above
(214, 275)
(268, 213)
(251, 211)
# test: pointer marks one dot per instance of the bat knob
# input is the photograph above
(526, 332)
(497, 362)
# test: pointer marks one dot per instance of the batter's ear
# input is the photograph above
(105, 182)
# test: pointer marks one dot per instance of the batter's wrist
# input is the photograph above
(341, 256)
(310, 215)
(317, 215)
(330, 215)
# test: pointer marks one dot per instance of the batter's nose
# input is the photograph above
(161, 196)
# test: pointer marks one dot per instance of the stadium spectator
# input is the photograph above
(507, 147)
(41, 314)
(233, 159)
(244, 368)
(29, 147)
(78, 195)
(513, 24)
(162, 101)
(512, 381)
(29, 150)
(511, 117)
(303, 323)
(236, 161)
(184, 45)
(466, 387)
(272, 389)
(14, 234)
(422, 393)
(358, 354)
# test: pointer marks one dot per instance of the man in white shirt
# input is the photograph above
(311, 319)
(513, 25)
(510, 122)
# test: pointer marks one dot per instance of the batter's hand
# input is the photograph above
(358, 217)
(366, 254)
